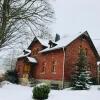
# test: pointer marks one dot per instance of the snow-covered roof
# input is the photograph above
(25, 55)
(44, 42)
(63, 42)
(27, 50)
(32, 60)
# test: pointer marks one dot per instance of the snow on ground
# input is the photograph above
(15, 92)
(18, 92)
(66, 94)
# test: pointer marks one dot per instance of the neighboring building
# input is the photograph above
(54, 62)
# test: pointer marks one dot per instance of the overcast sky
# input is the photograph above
(75, 16)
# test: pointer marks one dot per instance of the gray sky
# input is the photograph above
(74, 16)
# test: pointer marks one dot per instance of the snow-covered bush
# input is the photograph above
(41, 91)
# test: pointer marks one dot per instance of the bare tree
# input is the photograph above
(45, 34)
(19, 16)
(9, 59)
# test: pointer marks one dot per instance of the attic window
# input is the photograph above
(85, 50)
(35, 51)
(80, 47)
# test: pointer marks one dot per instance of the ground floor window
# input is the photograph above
(43, 69)
(53, 67)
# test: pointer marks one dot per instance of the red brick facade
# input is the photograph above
(59, 64)
(72, 52)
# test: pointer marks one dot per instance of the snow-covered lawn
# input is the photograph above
(18, 92)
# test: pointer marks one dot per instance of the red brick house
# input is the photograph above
(54, 62)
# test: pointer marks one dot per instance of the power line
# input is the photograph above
(96, 39)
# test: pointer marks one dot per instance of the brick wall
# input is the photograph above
(48, 58)
(72, 52)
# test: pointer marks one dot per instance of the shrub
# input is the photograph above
(94, 81)
(41, 91)
(12, 76)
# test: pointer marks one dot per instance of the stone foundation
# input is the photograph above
(24, 81)
(54, 84)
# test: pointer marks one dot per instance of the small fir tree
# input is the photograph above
(41, 91)
(81, 78)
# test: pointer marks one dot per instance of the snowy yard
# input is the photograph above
(18, 92)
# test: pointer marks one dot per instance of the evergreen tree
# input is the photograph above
(81, 78)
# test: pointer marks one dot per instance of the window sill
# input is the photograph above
(42, 73)
(53, 72)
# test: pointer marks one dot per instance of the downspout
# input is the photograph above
(98, 74)
(98, 65)
(63, 68)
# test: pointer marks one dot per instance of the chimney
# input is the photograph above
(25, 52)
(57, 38)
(50, 43)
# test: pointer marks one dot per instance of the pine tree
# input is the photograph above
(81, 78)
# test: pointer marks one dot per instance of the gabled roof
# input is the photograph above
(26, 55)
(67, 40)
(44, 42)
(63, 42)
